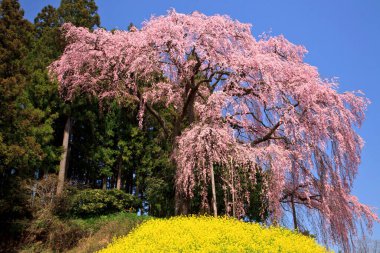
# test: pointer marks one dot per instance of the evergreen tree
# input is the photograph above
(79, 12)
(24, 129)
(46, 46)
(49, 46)
(47, 19)
(106, 149)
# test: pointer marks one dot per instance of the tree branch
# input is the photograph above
(267, 136)
(159, 119)
(155, 114)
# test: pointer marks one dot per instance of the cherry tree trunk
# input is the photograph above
(182, 204)
(233, 202)
(213, 192)
(233, 190)
(63, 165)
(294, 213)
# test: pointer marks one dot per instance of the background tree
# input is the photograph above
(105, 147)
(256, 101)
(25, 130)
(48, 46)
(80, 13)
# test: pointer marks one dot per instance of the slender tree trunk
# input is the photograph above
(213, 192)
(294, 213)
(63, 165)
(233, 203)
(130, 182)
(177, 202)
(118, 181)
(112, 181)
(233, 190)
(137, 189)
(104, 184)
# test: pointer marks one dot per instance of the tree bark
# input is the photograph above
(63, 165)
(213, 192)
(294, 213)
(104, 184)
(181, 205)
(233, 200)
(137, 189)
(233, 189)
(118, 181)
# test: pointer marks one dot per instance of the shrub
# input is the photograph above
(51, 232)
(207, 234)
(93, 202)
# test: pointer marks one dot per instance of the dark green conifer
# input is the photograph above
(24, 129)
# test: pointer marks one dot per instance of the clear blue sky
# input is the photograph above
(343, 39)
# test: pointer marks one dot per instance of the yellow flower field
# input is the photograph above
(208, 234)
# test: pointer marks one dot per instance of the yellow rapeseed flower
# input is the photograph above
(208, 234)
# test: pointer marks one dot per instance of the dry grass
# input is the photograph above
(106, 233)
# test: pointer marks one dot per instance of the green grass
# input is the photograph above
(94, 223)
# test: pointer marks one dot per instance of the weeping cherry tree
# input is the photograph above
(233, 99)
